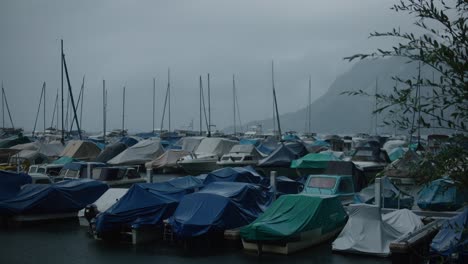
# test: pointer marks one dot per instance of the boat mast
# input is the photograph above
(3, 108)
(8, 108)
(273, 88)
(123, 111)
(234, 100)
(154, 98)
(38, 109)
(61, 63)
(275, 103)
(169, 95)
(104, 110)
(71, 96)
(375, 95)
(44, 107)
(201, 92)
(309, 113)
(82, 100)
(209, 108)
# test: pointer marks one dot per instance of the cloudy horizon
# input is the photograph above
(129, 44)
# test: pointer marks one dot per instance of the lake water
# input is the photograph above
(67, 242)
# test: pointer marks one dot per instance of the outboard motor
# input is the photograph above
(90, 214)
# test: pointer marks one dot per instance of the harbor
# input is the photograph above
(234, 132)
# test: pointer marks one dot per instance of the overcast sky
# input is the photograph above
(130, 42)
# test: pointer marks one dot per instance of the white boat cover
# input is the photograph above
(51, 149)
(190, 143)
(392, 144)
(367, 233)
(216, 146)
(108, 199)
(82, 150)
(140, 153)
(403, 220)
(167, 159)
(247, 149)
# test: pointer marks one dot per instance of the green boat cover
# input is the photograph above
(314, 161)
(292, 214)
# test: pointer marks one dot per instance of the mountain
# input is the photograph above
(337, 113)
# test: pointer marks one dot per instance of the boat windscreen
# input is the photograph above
(322, 182)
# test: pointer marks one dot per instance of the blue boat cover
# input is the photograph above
(62, 197)
(233, 174)
(284, 185)
(281, 157)
(129, 141)
(10, 183)
(217, 207)
(250, 141)
(442, 195)
(146, 204)
(452, 237)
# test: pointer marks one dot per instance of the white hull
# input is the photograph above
(307, 239)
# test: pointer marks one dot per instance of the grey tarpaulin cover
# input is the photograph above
(367, 232)
(139, 153)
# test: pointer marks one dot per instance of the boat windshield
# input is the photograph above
(322, 182)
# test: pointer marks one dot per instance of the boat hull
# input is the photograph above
(307, 239)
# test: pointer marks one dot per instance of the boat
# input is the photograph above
(450, 243)
(144, 205)
(241, 155)
(117, 176)
(313, 163)
(293, 223)
(167, 162)
(81, 150)
(219, 206)
(11, 183)
(108, 199)
(46, 201)
(138, 154)
(392, 196)
(340, 178)
(371, 160)
(110, 151)
(76, 170)
(233, 174)
(206, 156)
(280, 159)
(368, 232)
(442, 195)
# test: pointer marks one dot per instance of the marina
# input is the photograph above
(234, 132)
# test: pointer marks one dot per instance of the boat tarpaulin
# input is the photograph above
(146, 204)
(366, 232)
(51, 149)
(111, 151)
(82, 150)
(442, 195)
(168, 159)
(281, 157)
(62, 197)
(217, 207)
(139, 153)
(216, 146)
(284, 185)
(10, 183)
(452, 237)
(233, 174)
(295, 213)
(314, 161)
